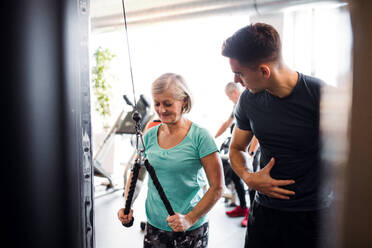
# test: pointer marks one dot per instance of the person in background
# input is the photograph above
(151, 124)
(233, 93)
(281, 108)
(180, 152)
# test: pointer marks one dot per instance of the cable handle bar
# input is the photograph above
(135, 171)
(132, 187)
(150, 169)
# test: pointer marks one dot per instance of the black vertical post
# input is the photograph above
(76, 28)
(45, 121)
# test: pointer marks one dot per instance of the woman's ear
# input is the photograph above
(184, 106)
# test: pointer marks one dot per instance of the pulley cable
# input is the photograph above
(129, 57)
(140, 160)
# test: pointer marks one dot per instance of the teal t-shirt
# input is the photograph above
(180, 173)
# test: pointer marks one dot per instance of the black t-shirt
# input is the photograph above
(288, 130)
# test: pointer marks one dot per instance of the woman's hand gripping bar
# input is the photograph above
(132, 187)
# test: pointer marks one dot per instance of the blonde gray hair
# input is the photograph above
(230, 87)
(178, 86)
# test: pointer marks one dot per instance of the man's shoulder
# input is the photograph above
(245, 97)
(313, 85)
(312, 81)
(246, 93)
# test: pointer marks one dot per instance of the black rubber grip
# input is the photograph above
(129, 224)
(159, 188)
(132, 187)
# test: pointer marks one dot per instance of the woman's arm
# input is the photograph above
(127, 218)
(213, 168)
(121, 216)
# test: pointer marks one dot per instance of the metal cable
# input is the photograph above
(130, 60)
(137, 118)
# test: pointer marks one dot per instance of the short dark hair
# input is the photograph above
(253, 44)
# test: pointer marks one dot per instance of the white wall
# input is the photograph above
(316, 41)
(191, 48)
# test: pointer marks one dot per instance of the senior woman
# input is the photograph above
(182, 153)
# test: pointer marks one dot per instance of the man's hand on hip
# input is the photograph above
(265, 184)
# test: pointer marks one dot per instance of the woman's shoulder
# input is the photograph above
(151, 132)
(202, 140)
(198, 130)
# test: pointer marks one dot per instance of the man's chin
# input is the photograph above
(253, 91)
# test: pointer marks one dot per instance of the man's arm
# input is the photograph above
(224, 126)
(261, 180)
(238, 151)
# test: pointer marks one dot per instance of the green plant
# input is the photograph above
(100, 84)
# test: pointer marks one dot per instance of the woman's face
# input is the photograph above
(167, 107)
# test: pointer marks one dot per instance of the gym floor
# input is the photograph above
(109, 233)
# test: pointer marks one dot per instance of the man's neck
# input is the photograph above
(283, 81)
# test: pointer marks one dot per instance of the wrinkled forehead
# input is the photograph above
(167, 94)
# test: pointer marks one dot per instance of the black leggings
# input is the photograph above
(239, 187)
(255, 165)
(157, 238)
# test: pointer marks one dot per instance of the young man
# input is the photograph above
(281, 108)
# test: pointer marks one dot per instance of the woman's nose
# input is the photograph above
(161, 109)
